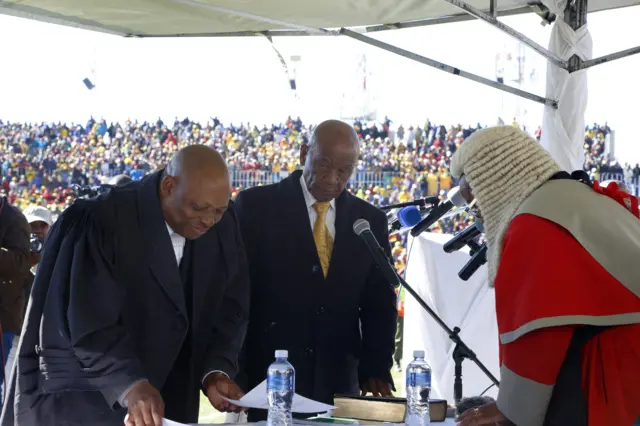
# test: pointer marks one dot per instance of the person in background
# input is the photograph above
(140, 303)
(562, 257)
(14, 269)
(397, 355)
(120, 180)
(40, 220)
(319, 293)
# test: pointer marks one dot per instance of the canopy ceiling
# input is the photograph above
(243, 17)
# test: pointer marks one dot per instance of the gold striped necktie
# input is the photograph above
(321, 235)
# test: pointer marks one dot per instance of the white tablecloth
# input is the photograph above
(469, 305)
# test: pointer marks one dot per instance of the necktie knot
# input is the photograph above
(321, 207)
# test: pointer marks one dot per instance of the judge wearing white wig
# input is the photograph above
(562, 259)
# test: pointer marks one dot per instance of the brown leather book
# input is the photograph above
(383, 410)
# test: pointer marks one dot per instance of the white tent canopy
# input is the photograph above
(566, 92)
(231, 17)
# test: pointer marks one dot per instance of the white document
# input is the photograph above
(296, 422)
(167, 422)
(257, 398)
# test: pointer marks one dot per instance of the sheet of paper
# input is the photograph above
(167, 422)
(296, 422)
(257, 398)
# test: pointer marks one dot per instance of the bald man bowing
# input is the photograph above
(316, 289)
(140, 302)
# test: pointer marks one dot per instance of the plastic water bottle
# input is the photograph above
(281, 384)
(418, 390)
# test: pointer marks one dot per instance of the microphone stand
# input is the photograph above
(460, 352)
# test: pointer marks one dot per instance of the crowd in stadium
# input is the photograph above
(42, 163)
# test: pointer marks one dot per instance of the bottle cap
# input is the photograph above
(282, 354)
(418, 354)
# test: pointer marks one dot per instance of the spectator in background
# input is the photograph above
(120, 180)
(39, 162)
(40, 219)
(397, 355)
(14, 269)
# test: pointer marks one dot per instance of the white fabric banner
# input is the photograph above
(563, 128)
(470, 305)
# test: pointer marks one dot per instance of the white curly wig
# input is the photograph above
(503, 166)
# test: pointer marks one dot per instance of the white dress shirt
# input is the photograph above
(178, 242)
(310, 200)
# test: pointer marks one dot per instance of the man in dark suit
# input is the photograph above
(315, 288)
(141, 301)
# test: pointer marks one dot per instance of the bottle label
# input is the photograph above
(280, 382)
(419, 379)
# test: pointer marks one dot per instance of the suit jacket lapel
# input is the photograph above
(161, 257)
(297, 215)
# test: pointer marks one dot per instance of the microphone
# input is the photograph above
(406, 217)
(463, 237)
(362, 229)
(476, 261)
(420, 202)
(454, 199)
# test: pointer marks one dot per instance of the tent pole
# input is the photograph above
(463, 17)
(447, 68)
(471, 10)
(493, 8)
(575, 15)
(608, 58)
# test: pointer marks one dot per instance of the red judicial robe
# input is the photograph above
(558, 272)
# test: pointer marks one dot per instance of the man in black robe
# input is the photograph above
(141, 301)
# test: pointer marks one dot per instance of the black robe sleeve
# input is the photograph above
(85, 275)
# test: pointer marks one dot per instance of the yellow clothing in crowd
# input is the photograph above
(445, 181)
(432, 184)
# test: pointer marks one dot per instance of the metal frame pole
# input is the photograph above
(575, 15)
(493, 8)
(447, 68)
(552, 57)
(611, 57)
